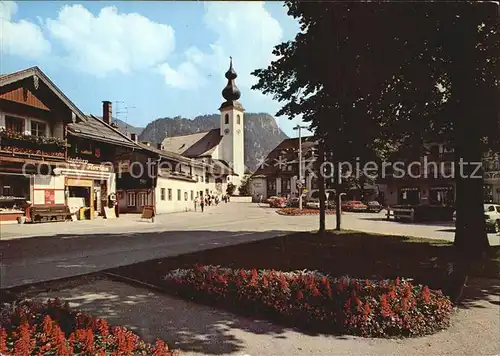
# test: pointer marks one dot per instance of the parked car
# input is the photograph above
(354, 205)
(491, 215)
(270, 199)
(293, 203)
(278, 203)
(313, 203)
(374, 207)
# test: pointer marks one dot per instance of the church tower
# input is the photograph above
(232, 127)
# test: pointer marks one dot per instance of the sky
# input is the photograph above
(151, 59)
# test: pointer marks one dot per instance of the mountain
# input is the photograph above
(262, 134)
(126, 128)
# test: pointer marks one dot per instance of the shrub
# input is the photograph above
(53, 328)
(297, 211)
(360, 307)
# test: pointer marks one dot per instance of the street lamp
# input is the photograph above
(301, 183)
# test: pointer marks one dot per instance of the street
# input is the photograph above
(41, 252)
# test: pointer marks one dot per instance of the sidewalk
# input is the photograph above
(199, 330)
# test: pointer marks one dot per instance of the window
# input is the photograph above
(186, 196)
(192, 195)
(226, 119)
(441, 195)
(238, 119)
(207, 178)
(178, 194)
(38, 128)
(162, 194)
(409, 196)
(131, 199)
(14, 124)
(169, 194)
(143, 199)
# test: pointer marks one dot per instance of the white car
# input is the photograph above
(313, 204)
(492, 216)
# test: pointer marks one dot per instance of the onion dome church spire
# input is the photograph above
(231, 92)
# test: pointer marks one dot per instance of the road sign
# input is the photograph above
(299, 185)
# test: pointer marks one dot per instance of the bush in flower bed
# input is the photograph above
(385, 308)
(297, 211)
(53, 328)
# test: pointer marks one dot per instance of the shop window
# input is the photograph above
(38, 128)
(192, 195)
(409, 196)
(179, 194)
(186, 196)
(441, 196)
(131, 199)
(14, 124)
(162, 193)
(169, 194)
(143, 199)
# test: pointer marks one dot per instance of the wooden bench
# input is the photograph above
(407, 214)
(45, 213)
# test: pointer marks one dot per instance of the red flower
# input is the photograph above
(300, 295)
(426, 294)
(385, 308)
(3, 341)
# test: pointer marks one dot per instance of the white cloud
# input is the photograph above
(110, 41)
(23, 38)
(245, 30)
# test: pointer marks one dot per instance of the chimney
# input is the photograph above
(107, 112)
(133, 137)
(158, 146)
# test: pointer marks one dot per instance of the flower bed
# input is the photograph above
(34, 328)
(297, 211)
(350, 306)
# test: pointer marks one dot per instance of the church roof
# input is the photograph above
(193, 145)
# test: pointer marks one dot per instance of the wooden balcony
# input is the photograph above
(32, 146)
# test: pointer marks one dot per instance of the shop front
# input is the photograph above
(89, 189)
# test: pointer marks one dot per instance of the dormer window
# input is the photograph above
(38, 128)
(226, 119)
(238, 119)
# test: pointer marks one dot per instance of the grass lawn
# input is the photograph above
(351, 253)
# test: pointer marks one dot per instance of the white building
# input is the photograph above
(223, 145)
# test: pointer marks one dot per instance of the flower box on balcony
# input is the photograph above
(46, 144)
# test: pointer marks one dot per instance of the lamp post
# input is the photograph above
(299, 128)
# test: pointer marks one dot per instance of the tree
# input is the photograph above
(244, 188)
(230, 188)
(405, 74)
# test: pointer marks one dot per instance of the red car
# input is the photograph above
(354, 205)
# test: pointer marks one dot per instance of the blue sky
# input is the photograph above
(157, 58)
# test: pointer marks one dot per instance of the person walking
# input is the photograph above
(202, 204)
(196, 203)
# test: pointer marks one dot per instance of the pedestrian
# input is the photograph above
(217, 200)
(202, 204)
(196, 203)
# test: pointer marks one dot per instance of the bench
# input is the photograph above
(407, 214)
(45, 213)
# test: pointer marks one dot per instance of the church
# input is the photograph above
(221, 146)
(197, 165)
